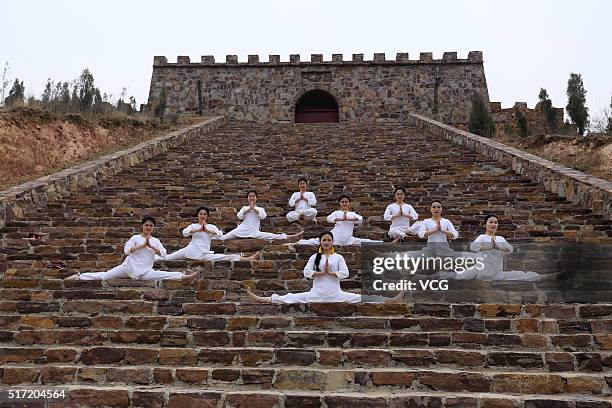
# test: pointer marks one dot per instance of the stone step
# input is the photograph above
(294, 338)
(175, 344)
(171, 396)
(358, 324)
(316, 379)
(340, 356)
(485, 310)
(232, 290)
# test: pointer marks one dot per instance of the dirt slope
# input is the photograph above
(34, 143)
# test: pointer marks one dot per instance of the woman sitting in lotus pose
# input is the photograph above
(304, 202)
(401, 214)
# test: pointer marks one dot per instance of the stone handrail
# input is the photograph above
(582, 189)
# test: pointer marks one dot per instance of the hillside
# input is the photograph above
(34, 143)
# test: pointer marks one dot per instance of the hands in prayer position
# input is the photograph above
(144, 245)
(346, 217)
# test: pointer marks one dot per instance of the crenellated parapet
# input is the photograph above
(365, 87)
(473, 57)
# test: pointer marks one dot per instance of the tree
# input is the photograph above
(550, 115)
(4, 82)
(576, 99)
(481, 122)
(521, 122)
(160, 109)
(97, 104)
(133, 104)
(46, 96)
(16, 94)
(74, 99)
(610, 117)
(64, 97)
(86, 90)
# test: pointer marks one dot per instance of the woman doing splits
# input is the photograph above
(327, 268)
(436, 228)
(304, 202)
(492, 248)
(140, 250)
(400, 214)
(344, 221)
(201, 235)
(249, 228)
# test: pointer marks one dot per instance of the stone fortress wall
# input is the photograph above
(507, 123)
(379, 89)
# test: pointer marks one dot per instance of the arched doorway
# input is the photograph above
(316, 106)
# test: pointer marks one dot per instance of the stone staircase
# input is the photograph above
(176, 344)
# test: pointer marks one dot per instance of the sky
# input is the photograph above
(526, 44)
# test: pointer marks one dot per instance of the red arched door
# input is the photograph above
(316, 106)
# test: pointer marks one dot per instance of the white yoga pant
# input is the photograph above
(342, 297)
(310, 297)
(268, 236)
(472, 273)
(309, 214)
(350, 241)
(401, 232)
(180, 254)
(124, 270)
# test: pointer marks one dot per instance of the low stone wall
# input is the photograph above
(585, 190)
(16, 200)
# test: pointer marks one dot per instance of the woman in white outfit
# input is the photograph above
(437, 229)
(492, 248)
(327, 268)
(304, 202)
(140, 250)
(201, 235)
(249, 228)
(345, 221)
(400, 214)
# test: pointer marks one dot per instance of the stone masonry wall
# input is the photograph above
(577, 187)
(365, 90)
(16, 200)
(506, 122)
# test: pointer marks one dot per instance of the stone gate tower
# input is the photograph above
(318, 90)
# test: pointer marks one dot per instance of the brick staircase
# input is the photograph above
(176, 344)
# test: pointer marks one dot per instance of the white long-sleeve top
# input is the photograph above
(301, 205)
(429, 224)
(251, 221)
(200, 241)
(327, 285)
(343, 229)
(394, 209)
(484, 242)
(142, 260)
(493, 260)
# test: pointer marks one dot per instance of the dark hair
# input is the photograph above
(302, 179)
(489, 216)
(251, 191)
(147, 218)
(200, 209)
(319, 254)
(436, 201)
(344, 196)
(400, 188)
